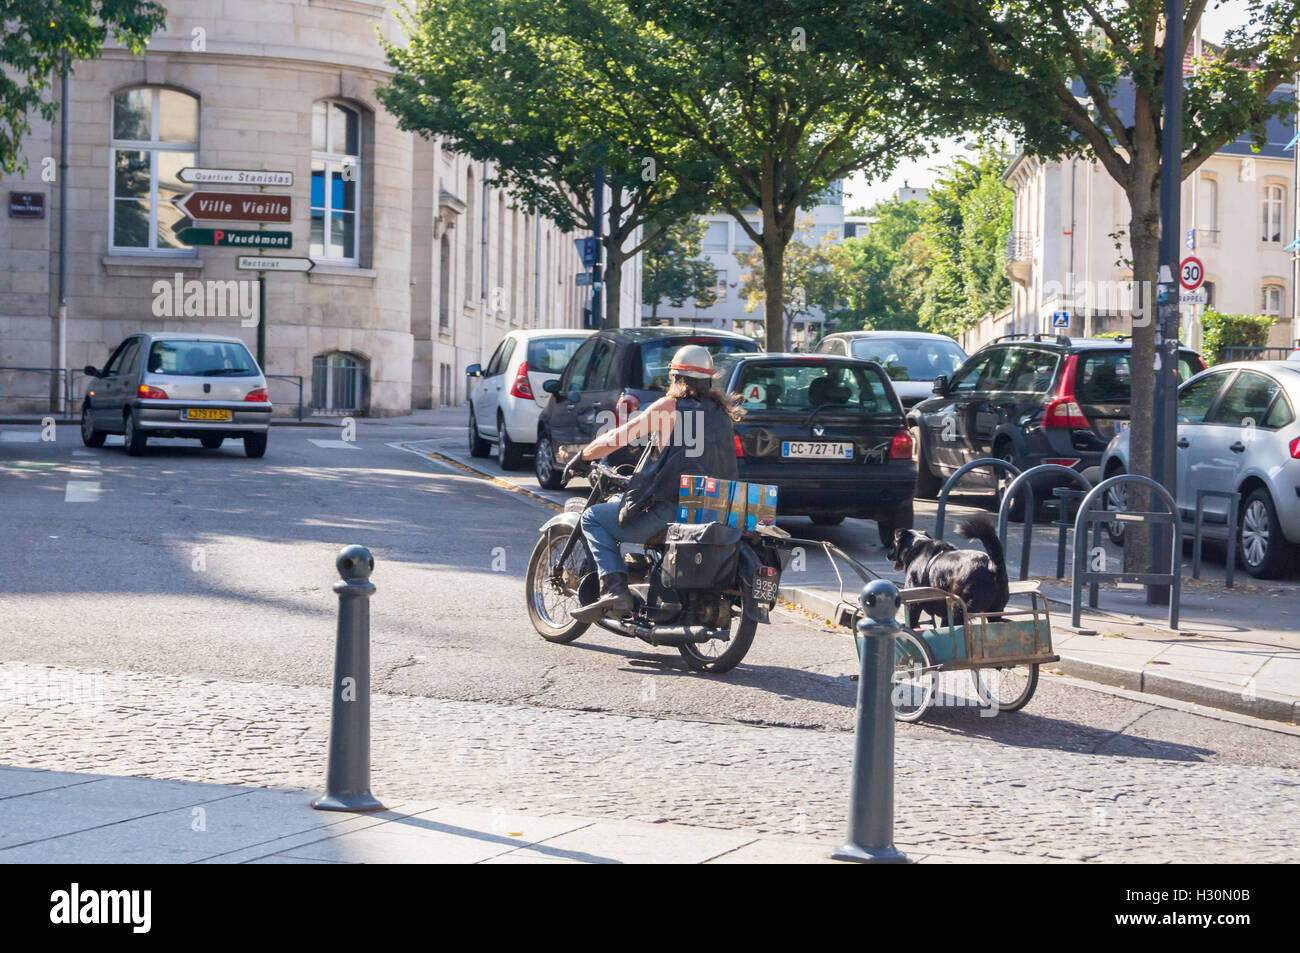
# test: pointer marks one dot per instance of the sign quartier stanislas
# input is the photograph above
(250, 207)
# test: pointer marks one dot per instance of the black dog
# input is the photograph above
(980, 580)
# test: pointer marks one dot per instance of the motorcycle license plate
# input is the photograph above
(766, 585)
(818, 450)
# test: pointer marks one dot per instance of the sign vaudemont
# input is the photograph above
(192, 176)
(235, 237)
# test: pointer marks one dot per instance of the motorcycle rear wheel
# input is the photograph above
(548, 610)
(715, 656)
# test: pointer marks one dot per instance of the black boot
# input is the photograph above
(615, 600)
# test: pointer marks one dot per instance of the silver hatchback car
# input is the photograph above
(196, 386)
(1238, 431)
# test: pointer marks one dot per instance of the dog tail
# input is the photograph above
(981, 528)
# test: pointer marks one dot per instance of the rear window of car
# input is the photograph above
(201, 359)
(805, 385)
(657, 354)
(550, 355)
(1106, 377)
(911, 359)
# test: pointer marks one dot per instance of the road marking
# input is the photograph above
(81, 492)
(19, 436)
(333, 444)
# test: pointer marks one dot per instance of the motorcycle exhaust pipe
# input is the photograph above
(666, 635)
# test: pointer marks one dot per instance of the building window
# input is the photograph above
(1271, 301)
(155, 135)
(469, 235)
(1207, 208)
(335, 181)
(1272, 213)
(444, 283)
(1208, 288)
(338, 384)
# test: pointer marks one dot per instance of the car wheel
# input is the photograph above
(928, 485)
(212, 443)
(1116, 500)
(89, 435)
(1005, 451)
(255, 445)
(509, 453)
(825, 520)
(135, 439)
(549, 474)
(902, 518)
(1263, 549)
(478, 447)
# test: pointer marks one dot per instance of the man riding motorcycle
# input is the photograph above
(650, 502)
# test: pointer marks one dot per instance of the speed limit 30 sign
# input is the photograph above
(1191, 273)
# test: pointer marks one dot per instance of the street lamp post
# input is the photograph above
(1164, 468)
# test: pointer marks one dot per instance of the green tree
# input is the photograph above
(873, 277)
(1085, 77)
(808, 280)
(499, 81)
(38, 35)
(672, 268)
(784, 97)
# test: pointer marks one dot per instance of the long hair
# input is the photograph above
(701, 388)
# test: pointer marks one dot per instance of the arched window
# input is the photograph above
(444, 283)
(335, 181)
(338, 383)
(1274, 200)
(1271, 300)
(155, 135)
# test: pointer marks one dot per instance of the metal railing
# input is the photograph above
(295, 379)
(1230, 520)
(1020, 246)
(1023, 483)
(1242, 353)
(23, 387)
(952, 481)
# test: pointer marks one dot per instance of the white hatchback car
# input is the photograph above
(508, 399)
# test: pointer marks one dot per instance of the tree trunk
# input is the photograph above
(613, 278)
(1144, 242)
(773, 285)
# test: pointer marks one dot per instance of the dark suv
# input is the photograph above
(1028, 400)
(613, 372)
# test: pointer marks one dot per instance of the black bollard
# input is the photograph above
(347, 779)
(871, 800)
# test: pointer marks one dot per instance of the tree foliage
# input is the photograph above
(37, 36)
(875, 273)
(672, 268)
(809, 281)
(1221, 331)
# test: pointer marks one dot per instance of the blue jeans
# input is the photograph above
(600, 526)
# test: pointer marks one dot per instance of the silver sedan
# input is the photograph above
(1237, 431)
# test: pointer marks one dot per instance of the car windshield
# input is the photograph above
(549, 355)
(1105, 377)
(911, 359)
(658, 353)
(201, 359)
(806, 385)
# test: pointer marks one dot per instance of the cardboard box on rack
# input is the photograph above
(734, 502)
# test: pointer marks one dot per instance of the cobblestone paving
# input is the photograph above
(1030, 802)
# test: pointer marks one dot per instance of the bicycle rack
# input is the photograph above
(1004, 511)
(1063, 524)
(953, 480)
(1080, 573)
(1234, 504)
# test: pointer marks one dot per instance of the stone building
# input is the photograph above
(419, 268)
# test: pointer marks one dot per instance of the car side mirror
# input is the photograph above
(90, 371)
(551, 386)
(474, 370)
(940, 385)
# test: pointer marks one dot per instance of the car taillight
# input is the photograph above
(1063, 410)
(152, 393)
(257, 394)
(626, 405)
(521, 387)
(740, 451)
(901, 448)
(1295, 449)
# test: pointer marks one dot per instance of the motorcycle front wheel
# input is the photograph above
(716, 656)
(548, 609)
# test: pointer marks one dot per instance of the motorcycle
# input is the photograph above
(702, 588)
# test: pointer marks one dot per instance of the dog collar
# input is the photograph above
(925, 573)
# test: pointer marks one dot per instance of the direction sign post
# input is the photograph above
(255, 207)
(192, 176)
(269, 263)
(235, 237)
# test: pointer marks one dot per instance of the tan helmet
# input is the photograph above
(692, 361)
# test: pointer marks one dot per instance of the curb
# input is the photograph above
(1256, 704)
(483, 474)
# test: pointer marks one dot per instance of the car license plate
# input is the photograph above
(195, 413)
(817, 450)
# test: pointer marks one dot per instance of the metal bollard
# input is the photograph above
(871, 799)
(347, 779)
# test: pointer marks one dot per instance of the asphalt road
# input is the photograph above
(208, 564)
